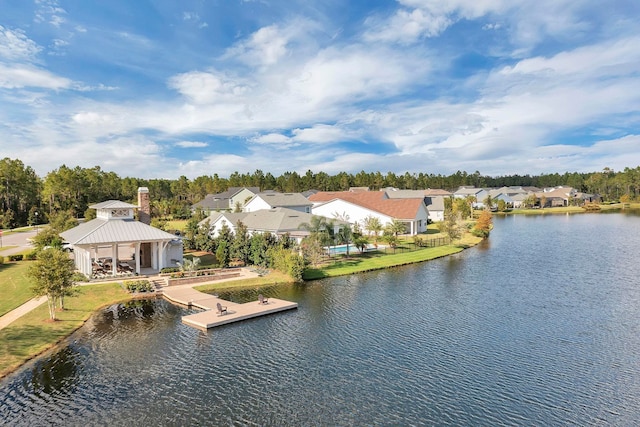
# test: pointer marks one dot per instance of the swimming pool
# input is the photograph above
(342, 249)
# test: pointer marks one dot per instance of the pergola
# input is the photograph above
(116, 233)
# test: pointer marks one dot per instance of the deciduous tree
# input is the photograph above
(52, 274)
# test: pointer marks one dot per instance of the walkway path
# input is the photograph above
(20, 311)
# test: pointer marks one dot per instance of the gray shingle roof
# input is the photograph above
(284, 199)
(276, 220)
(101, 231)
(405, 194)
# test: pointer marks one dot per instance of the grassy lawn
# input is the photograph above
(15, 287)
(273, 278)
(378, 260)
(176, 224)
(4, 248)
(32, 333)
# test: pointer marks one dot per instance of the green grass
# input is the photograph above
(377, 261)
(273, 278)
(4, 248)
(33, 334)
(176, 224)
(558, 210)
(15, 286)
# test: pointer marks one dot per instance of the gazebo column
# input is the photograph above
(154, 255)
(114, 258)
(87, 267)
(137, 257)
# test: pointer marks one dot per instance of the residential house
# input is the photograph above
(295, 201)
(232, 199)
(435, 204)
(355, 207)
(478, 193)
(277, 221)
(557, 196)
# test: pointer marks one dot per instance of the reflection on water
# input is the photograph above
(537, 326)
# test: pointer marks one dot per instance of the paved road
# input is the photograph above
(18, 239)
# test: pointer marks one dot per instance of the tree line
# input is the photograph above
(27, 199)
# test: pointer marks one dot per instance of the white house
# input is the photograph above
(355, 207)
(295, 201)
(479, 193)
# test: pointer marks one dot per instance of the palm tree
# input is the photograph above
(373, 226)
(488, 202)
(396, 227)
(345, 234)
(189, 265)
(320, 228)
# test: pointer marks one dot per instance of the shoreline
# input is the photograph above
(62, 337)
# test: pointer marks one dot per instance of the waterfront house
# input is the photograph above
(355, 207)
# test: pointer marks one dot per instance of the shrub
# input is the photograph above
(137, 286)
(17, 257)
(31, 255)
(79, 277)
(1, 259)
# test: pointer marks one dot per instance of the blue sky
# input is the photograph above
(160, 89)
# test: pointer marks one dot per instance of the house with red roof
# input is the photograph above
(354, 207)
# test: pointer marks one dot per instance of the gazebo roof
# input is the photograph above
(113, 204)
(101, 231)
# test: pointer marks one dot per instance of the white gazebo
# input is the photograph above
(117, 239)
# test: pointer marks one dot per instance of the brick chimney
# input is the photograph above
(144, 205)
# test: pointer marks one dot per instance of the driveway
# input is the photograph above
(17, 238)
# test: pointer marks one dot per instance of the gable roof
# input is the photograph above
(374, 200)
(276, 220)
(274, 199)
(404, 194)
(468, 191)
(435, 203)
(221, 200)
(437, 192)
(102, 231)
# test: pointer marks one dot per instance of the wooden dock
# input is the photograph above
(209, 318)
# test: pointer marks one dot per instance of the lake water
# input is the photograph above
(537, 326)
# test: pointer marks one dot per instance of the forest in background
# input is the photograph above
(27, 199)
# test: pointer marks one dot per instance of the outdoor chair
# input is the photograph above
(221, 309)
(262, 299)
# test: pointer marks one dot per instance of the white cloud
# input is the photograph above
(191, 144)
(29, 76)
(16, 46)
(272, 44)
(320, 134)
(205, 87)
(271, 138)
(91, 118)
(50, 11)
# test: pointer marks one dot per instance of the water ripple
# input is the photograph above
(498, 335)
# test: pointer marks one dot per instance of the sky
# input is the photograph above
(162, 89)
